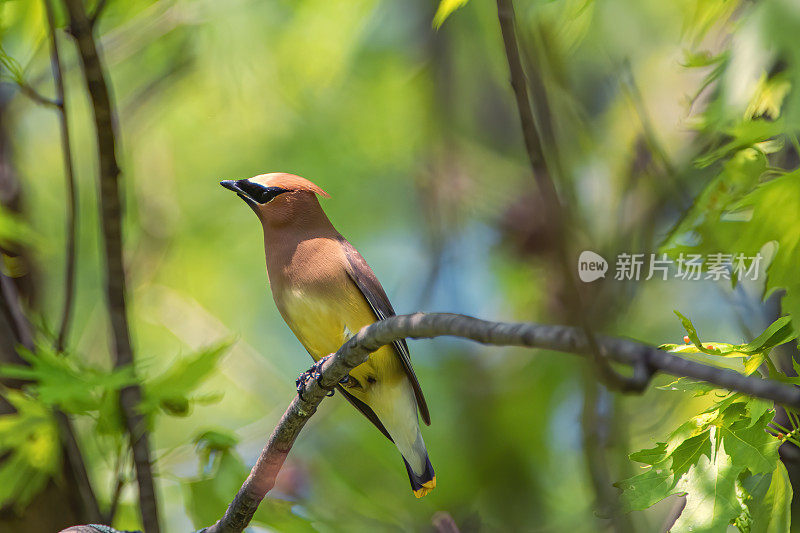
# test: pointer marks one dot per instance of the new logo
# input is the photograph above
(591, 266)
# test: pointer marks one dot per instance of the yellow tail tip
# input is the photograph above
(427, 487)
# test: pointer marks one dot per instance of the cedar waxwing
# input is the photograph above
(326, 292)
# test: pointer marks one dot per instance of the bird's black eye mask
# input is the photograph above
(253, 193)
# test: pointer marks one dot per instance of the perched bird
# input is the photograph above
(326, 292)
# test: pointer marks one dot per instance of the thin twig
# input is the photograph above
(34, 95)
(98, 10)
(596, 424)
(121, 481)
(420, 325)
(74, 459)
(111, 219)
(20, 326)
(69, 174)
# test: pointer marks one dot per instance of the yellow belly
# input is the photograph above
(323, 324)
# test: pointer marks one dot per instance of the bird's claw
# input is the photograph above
(314, 373)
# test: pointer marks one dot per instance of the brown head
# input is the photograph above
(280, 199)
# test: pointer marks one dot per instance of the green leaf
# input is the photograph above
(772, 512)
(445, 9)
(644, 490)
(650, 456)
(738, 177)
(706, 458)
(743, 137)
(171, 390)
(723, 349)
(754, 353)
(710, 487)
(756, 408)
(29, 447)
(65, 381)
(779, 332)
(750, 445)
(699, 388)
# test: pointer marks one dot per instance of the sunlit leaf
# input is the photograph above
(66, 382)
(710, 487)
(445, 9)
(703, 459)
(768, 97)
(754, 353)
(29, 444)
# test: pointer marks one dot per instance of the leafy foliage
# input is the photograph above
(710, 458)
(359, 100)
(66, 381)
(171, 391)
(29, 443)
(746, 206)
(725, 460)
(754, 352)
(79, 388)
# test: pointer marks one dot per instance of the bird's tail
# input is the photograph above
(422, 484)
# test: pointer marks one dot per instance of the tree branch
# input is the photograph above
(536, 150)
(419, 326)
(69, 174)
(111, 217)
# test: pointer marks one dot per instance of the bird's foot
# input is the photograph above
(314, 373)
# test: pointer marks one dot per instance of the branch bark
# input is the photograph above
(111, 217)
(419, 326)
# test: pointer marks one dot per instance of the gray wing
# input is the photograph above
(360, 272)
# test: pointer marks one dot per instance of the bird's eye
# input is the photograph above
(371, 379)
(266, 194)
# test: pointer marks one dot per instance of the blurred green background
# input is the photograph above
(415, 135)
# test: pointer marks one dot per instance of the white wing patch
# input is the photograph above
(347, 333)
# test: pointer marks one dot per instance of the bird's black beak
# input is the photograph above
(240, 188)
(244, 188)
